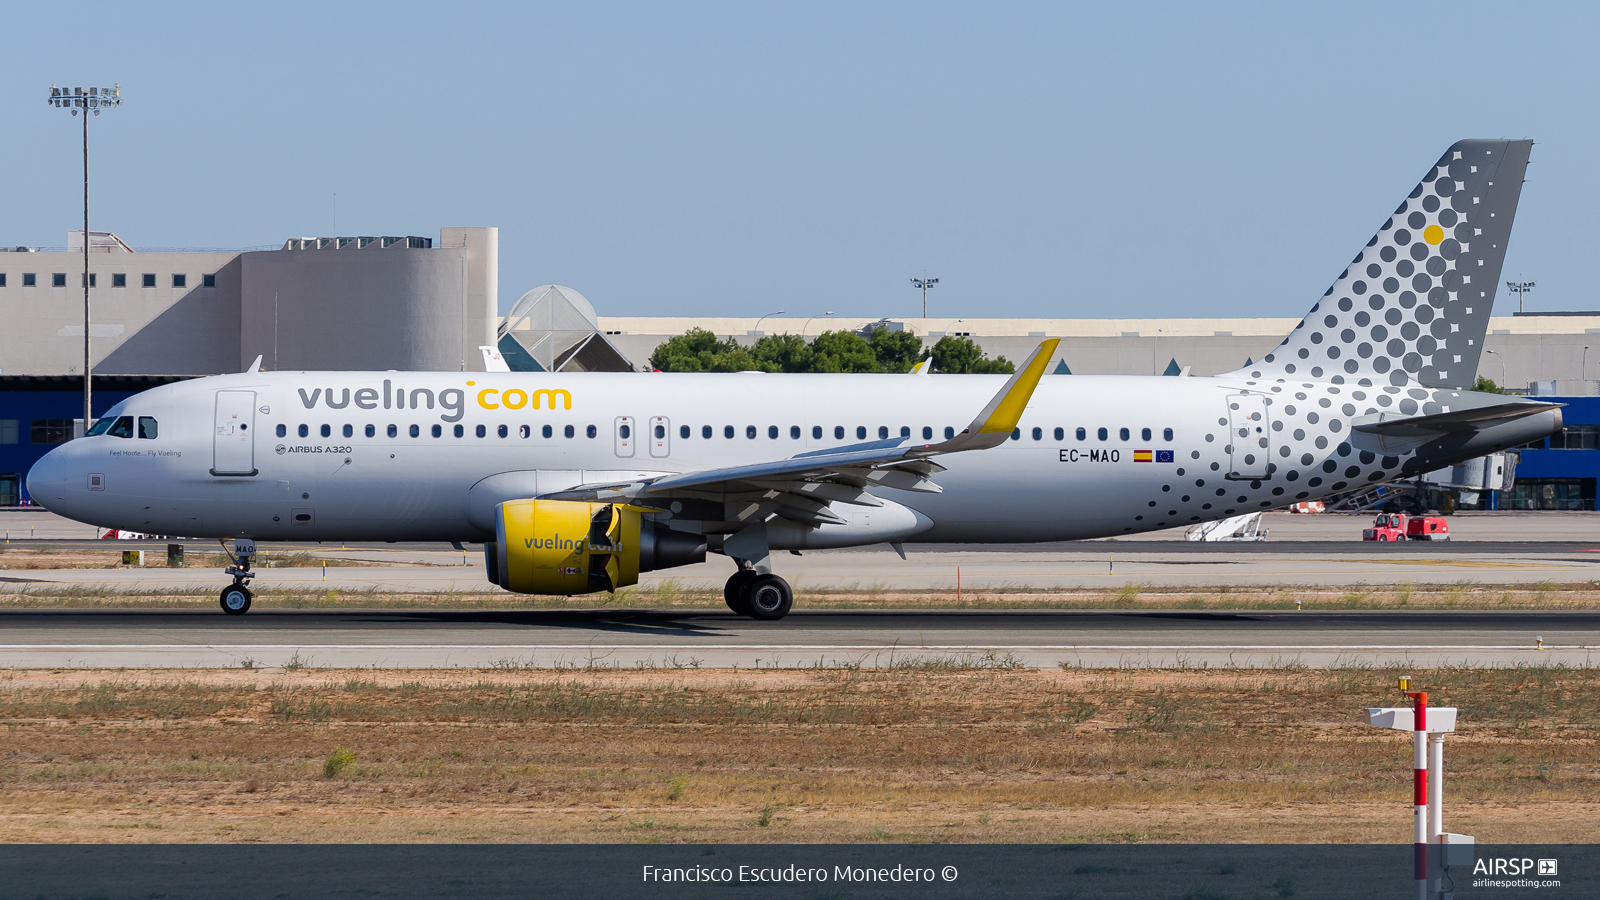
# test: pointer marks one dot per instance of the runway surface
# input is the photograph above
(1317, 551)
(1047, 567)
(629, 639)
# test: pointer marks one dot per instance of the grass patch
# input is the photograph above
(671, 594)
(337, 761)
(922, 752)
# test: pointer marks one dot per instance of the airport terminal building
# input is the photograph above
(419, 303)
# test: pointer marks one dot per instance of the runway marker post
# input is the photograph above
(1427, 791)
(958, 584)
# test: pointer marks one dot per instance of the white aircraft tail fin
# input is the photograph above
(922, 368)
(1413, 306)
(493, 361)
(255, 366)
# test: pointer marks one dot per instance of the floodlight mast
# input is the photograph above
(76, 99)
(1521, 287)
(924, 284)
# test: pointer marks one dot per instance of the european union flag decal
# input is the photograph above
(1163, 456)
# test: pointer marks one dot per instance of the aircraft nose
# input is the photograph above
(47, 480)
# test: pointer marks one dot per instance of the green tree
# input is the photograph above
(843, 351)
(960, 356)
(697, 350)
(1485, 386)
(783, 353)
(897, 351)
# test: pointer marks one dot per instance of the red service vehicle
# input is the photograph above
(1427, 528)
(1401, 527)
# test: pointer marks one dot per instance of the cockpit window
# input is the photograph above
(100, 426)
(147, 428)
(122, 428)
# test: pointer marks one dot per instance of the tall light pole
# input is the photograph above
(1584, 372)
(808, 323)
(1521, 287)
(923, 284)
(80, 100)
(756, 332)
(1502, 367)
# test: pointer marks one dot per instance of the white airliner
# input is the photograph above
(576, 483)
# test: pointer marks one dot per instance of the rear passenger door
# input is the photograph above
(1248, 445)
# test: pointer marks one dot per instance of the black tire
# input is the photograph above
(235, 599)
(768, 597)
(733, 591)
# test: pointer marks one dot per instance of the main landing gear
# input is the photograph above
(758, 595)
(236, 597)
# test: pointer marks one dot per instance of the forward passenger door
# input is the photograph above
(233, 438)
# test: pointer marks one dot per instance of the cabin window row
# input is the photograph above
(839, 432)
(524, 431)
(1104, 434)
(751, 432)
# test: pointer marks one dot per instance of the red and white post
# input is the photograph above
(1427, 790)
(1419, 791)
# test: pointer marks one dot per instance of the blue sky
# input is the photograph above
(735, 159)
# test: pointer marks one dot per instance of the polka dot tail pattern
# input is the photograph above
(1413, 306)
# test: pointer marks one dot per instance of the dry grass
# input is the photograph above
(33, 556)
(668, 595)
(915, 754)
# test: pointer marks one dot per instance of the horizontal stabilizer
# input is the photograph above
(1464, 421)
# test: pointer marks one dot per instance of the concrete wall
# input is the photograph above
(483, 275)
(370, 308)
(136, 330)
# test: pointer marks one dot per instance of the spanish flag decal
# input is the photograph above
(1143, 456)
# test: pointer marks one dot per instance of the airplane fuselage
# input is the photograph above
(388, 456)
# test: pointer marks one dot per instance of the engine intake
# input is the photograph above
(576, 547)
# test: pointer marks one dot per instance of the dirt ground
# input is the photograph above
(922, 753)
(33, 556)
(667, 595)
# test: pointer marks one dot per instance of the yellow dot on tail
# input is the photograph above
(1433, 234)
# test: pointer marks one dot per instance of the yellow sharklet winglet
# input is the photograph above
(994, 425)
(1005, 410)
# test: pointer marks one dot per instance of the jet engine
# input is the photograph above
(576, 547)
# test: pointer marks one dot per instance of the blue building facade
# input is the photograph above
(37, 413)
(1560, 472)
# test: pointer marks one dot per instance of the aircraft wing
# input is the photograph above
(801, 486)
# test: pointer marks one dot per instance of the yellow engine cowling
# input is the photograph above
(565, 546)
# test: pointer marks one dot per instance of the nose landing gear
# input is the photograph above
(236, 597)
